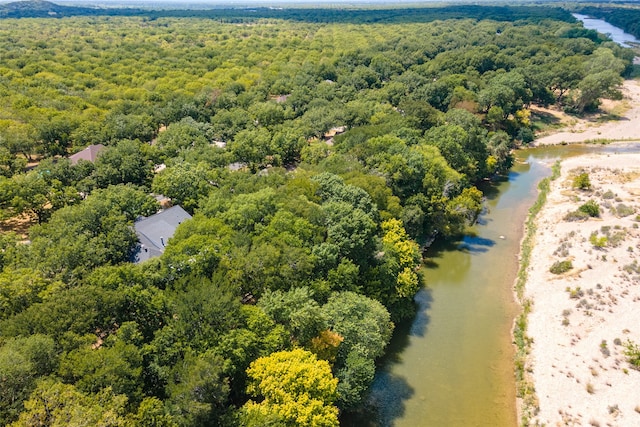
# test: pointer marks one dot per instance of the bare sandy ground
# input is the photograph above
(625, 128)
(581, 319)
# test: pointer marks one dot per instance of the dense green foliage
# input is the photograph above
(582, 181)
(560, 267)
(313, 157)
(45, 9)
(591, 208)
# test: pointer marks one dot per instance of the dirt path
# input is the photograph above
(626, 128)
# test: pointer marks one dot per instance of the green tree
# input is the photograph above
(81, 237)
(27, 193)
(123, 164)
(186, 134)
(9, 163)
(463, 210)
(566, 73)
(117, 366)
(366, 329)
(22, 361)
(253, 146)
(203, 312)
(198, 392)
(56, 404)
(151, 413)
(361, 321)
(297, 311)
(185, 183)
(20, 288)
(452, 141)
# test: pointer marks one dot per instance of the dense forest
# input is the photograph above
(389, 14)
(315, 158)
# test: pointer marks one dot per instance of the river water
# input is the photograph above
(616, 34)
(453, 366)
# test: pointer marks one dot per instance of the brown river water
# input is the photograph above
(453, 366)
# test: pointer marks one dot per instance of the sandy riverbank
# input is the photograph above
(581, 319)
(578, 368)
(624, 128)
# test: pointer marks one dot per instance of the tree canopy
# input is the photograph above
(317, 150)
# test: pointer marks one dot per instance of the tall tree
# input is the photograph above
(297, 390)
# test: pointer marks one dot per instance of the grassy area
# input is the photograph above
(542, 121)
(524, 387)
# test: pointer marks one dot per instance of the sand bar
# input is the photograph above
(581, 319)
(625, 128)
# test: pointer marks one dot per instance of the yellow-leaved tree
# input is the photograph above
(406, 252)
(297, 390)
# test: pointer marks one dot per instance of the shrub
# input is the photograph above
(598, 242)
(591, 208)
(560, 267)
(633, 354)
(608, 195)
(575, 293)
(582, 181)
(576, 216)
(623, 210)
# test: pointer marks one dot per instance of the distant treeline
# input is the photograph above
(315, 159)
(627, 19)
(44, 9)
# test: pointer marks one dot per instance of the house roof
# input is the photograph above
(89, 154)
(155, 231)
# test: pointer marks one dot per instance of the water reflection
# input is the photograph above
(476, 244)
(423, 299)
(453, 365)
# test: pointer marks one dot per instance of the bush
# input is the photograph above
(623, 210)
(560, 267)
(633, 354)
(576, 215)
(591, 208)
(582, 181)
(598, 242)
(525, 135)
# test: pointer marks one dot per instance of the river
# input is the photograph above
(453, 366)
(616, 34)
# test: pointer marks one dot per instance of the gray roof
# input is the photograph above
(155, 231)
(89, 154)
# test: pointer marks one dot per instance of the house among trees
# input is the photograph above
(89, 154)
(155, 231)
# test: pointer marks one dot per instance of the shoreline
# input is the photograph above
(577, 322)
(621, 126)
(570, 364)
